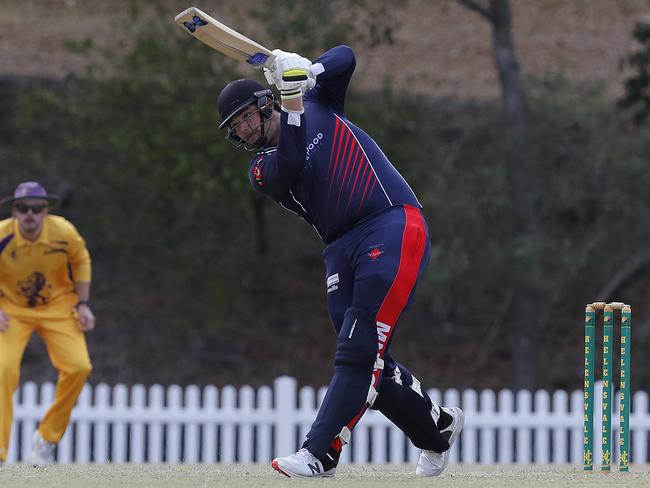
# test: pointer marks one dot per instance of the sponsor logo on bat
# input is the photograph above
(257, 59)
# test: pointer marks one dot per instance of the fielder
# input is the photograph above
(316, 163)
(44, 288)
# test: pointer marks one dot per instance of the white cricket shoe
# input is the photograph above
(433, 463)
(42, 451)
(302, 464)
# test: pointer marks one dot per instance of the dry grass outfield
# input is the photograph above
(253, 476)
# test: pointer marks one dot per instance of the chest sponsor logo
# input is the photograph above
(313, 145)
(52, 250)
(333, 282)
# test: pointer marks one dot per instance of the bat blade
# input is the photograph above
(222, 38)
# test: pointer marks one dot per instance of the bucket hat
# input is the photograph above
(31, 189)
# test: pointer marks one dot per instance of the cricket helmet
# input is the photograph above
(238, 94)
(235, 97)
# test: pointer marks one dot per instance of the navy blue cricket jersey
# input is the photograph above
(327, 170)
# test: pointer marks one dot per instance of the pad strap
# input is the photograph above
(376, 373)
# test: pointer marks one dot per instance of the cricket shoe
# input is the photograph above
(302, 464)
(433, 463)
(42, 451)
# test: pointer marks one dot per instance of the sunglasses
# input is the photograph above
(23, 208)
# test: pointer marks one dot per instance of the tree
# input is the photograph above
(524, 273)
(637, 88)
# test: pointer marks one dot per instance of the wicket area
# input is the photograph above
(607, 395)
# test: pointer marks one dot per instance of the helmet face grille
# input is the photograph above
(255, 123)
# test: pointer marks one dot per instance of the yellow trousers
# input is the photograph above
(66, 346)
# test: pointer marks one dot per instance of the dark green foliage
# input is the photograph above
(637, 87)
(144, 156)
(164, 203)
(593, 203)
(299, 26)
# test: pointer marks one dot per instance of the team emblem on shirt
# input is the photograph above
(375, 253)
(257, 172)
(34, 289)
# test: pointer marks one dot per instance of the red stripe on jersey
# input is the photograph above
(347, 141)
(359, 164)
(353, 144)
(337, 127)
(365, 189)
(338, 144)
(354, 160)
(356, 165)
(374, 184)
(335, 173)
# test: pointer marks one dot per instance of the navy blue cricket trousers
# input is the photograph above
(372, 272)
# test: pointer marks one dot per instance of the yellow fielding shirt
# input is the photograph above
(37, 278)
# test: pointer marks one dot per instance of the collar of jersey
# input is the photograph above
(267, 150)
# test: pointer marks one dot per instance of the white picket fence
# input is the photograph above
(192, 425)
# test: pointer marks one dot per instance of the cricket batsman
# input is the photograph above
(317, 164)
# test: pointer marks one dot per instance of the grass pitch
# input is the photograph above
(357, 476)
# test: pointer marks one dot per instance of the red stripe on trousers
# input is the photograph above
(413, 241)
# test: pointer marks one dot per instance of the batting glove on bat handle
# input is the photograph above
(293, 89)
(282, 82)
(295, 80)
(284, 62)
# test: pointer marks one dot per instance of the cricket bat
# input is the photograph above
(224, 39)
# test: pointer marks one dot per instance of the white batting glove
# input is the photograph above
(292, 89)
(285, 84)
(294, 85)
(291, 74)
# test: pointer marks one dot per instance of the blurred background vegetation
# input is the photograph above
(197, 280)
